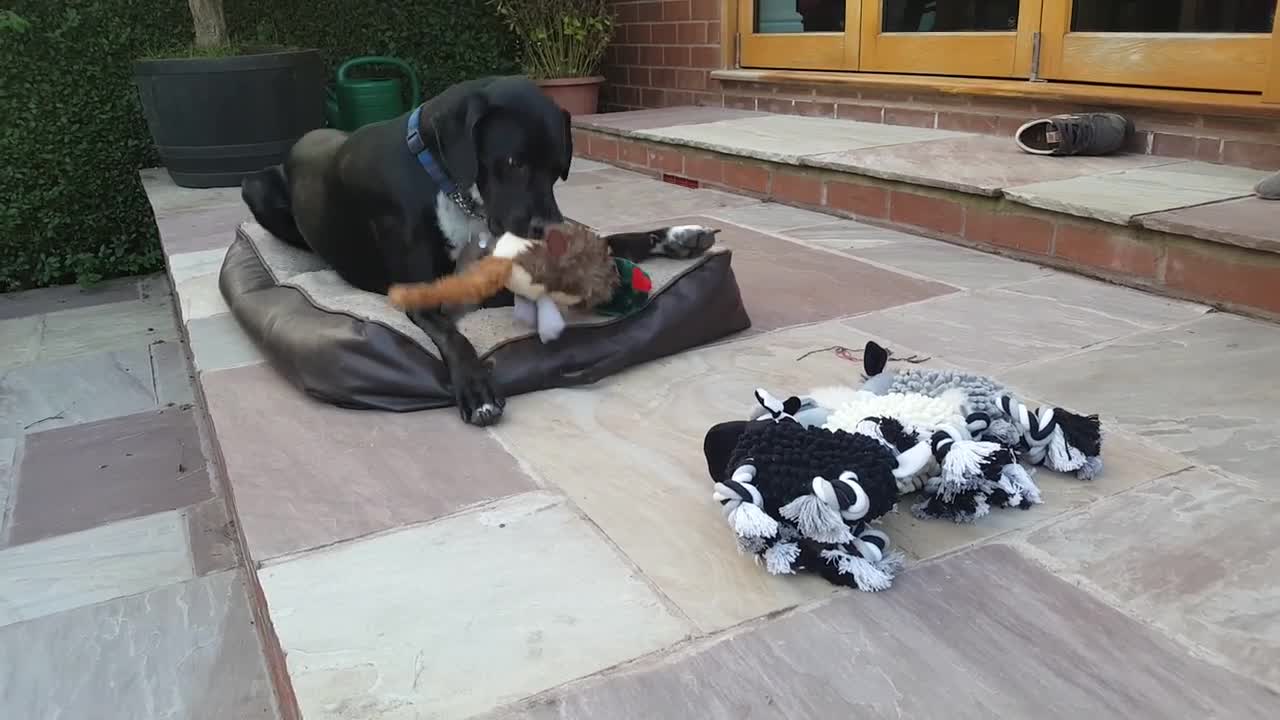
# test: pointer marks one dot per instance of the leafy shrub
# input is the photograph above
(72, 139)
(72, 135)
(559, 38)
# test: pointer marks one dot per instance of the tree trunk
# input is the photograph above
(210, 23)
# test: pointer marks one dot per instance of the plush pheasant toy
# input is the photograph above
(584, 275)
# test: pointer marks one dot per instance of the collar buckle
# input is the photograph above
(418, 148)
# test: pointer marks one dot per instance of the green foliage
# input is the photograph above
(72, 135)
(559, 38)
(444, 40)
(72, 139)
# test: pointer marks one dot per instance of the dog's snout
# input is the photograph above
(537, 229)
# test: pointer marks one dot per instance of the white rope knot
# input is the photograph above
(1044, 437)
(743, 505)
(818, 515)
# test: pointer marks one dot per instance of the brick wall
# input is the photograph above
(662, 55)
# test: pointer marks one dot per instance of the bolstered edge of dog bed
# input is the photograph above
(355, 362)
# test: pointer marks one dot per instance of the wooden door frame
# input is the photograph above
(1272, 92)
(965, 54)
(797, 51)
(1240, 61)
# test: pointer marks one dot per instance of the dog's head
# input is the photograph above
(508, 140)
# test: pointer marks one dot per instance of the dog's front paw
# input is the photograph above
(684, 241)
(479, 401)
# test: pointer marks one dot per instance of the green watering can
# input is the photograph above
(353, 103)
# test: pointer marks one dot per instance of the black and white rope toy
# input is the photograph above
(974, 475)
(1057, 438)
(801, 498)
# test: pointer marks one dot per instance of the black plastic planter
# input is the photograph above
(214, 120)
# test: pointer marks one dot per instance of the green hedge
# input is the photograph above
(72, 136)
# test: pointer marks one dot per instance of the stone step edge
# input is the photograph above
(1148, 220)
(273, 653)
(1227, 277)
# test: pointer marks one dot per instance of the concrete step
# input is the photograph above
(1183, 228)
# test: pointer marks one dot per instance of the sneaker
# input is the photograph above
(1079, 134)
(1269, 188)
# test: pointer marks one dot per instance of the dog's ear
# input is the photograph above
(566, 154)
(456, 127)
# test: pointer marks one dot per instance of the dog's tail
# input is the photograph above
(480, 281)
(266, 192)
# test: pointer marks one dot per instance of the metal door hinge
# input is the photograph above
(1035, 57)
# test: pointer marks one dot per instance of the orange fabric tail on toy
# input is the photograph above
(480, 281)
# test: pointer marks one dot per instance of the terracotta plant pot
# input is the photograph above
(580, 95)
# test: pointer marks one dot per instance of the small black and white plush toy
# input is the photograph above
(801, 498)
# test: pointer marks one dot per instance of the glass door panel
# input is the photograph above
(987, 38)
(799, 34)
(1192, 44)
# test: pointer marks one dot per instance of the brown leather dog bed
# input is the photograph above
(351, 348)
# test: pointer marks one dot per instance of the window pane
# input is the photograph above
(1172, 16)
(949, 15)
(793, 16)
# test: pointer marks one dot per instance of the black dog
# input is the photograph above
(412, 198)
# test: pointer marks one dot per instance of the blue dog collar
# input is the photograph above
(413, 139)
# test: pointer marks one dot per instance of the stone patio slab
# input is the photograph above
(168, 199)
(82, 331)
(785, 283)
(195, 281)
(8, 458)
(1119, 197)
(200, 297)
(648, 489)
(977, 164)
(20, 338)
(200, 230)
(66, 297)
(771, 217)
(600, 177)
(1146, 309)
(83, 568)
(48, 395)
(307, 474)
(213, 537)
(992, 330)
(1205, 388)
(219, 343)
(625, 122)
(79, 477)
(1128, 462)
(183, 651)
(841, 235)
(452, 618)
(956, 266)
(579, 165)
(608, 206)
(1249, 223)
(170, 373)
(787, 138)
(1197, 553)
(981, 635)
